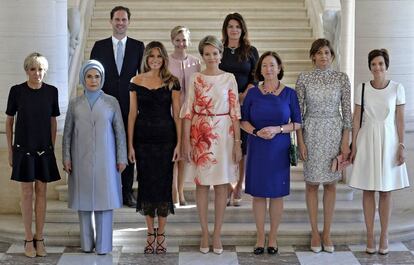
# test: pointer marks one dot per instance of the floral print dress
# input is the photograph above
(211, 104)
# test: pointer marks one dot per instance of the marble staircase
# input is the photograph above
(279, 25)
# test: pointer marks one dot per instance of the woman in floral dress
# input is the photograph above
(325, 102)
(211, 143)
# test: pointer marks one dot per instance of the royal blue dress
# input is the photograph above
(268, 164)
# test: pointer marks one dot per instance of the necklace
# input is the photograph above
(272, 90)
(232, 50)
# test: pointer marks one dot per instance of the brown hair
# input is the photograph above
(120, 8)
(210, 40)
(319, 44)
(379, 52)
(165, 74)
(258, 71)
(244, 43)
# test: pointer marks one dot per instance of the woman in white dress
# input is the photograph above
(378, 155)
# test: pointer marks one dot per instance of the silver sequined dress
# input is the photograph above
(325, 103)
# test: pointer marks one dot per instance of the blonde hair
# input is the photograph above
(165, 74)
(35, 59)
(180, 29)
(210, 40)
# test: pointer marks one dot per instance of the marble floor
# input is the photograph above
(400, 253)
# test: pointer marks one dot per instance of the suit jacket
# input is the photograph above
(115, 84)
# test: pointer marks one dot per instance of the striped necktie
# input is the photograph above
(119, 56)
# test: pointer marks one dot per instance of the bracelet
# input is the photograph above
(254, 132)
(281, 128)
(238, 140)
(402, 145)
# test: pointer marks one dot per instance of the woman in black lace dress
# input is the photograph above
(154, 140)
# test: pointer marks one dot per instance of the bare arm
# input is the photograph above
(9, 136)
(132, 116)
(176, 115)
(400, 131)
(53, 128)
(355, 129)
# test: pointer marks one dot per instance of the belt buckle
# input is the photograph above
(40, 153)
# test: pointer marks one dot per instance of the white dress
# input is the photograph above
(212, 104)
(375, 167)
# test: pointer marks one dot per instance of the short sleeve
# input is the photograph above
(176, 86)
(234, 99)
(12, 102)
(357, 95)
(55, 107)
(186, 111)
(247, 103)
(294, 108)
(400, 95)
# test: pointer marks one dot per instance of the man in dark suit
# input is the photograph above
(121, 57)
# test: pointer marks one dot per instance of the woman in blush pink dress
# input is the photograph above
(182, 65)
(211, 140)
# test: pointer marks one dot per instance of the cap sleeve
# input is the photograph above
(400, 94)
(12, 101)
(55, 107)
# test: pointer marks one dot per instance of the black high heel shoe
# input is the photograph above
(150, 247)
(258, 250)
(160, 248)
(272, 250)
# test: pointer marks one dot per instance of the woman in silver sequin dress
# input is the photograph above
(324, 98)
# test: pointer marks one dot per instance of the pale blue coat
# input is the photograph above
(94, 141)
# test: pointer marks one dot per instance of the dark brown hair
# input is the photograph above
(165, 74)
(258, 71)
(244, 43)
(319, 44)
(120, 8)
(379, 52)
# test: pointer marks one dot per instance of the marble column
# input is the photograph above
(389, 24)
(27, 26)
(347, 38)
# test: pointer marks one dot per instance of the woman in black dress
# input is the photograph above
(239, 58)
(31, 153)
(154, 140)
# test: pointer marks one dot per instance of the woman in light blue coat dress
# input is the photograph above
(94, 155)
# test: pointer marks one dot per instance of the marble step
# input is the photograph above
(217, 22)
(297, 192)
(294, 212)
(198, 33)
(127, 234)
(231, 4)
(192, 12)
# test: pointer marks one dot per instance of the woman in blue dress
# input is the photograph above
(269, 113)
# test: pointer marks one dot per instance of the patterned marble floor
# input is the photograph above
(400, 253)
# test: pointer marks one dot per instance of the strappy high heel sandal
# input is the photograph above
(150, 247)
(31, 253)
(39, 245)
(160, 248)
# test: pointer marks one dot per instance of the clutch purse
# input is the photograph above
(339, 163)
(293, 148)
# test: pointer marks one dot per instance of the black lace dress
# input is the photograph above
(154, 141)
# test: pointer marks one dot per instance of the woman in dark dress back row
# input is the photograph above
(239, 58)
(31, 153)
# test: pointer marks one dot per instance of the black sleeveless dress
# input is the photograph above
(154, 141)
